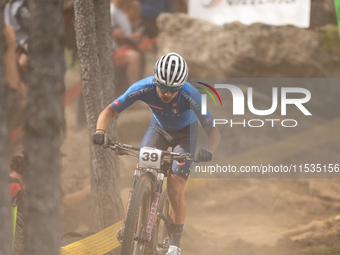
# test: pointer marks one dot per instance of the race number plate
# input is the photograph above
(150, 157)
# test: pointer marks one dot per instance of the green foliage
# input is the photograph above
(331, 40)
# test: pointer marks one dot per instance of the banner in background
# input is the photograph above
(272, 12)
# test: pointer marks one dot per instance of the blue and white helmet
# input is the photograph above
(171, 70)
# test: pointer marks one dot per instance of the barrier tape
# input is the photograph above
(97, 244)
(106, 240)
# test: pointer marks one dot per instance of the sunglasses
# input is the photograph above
(165, 89)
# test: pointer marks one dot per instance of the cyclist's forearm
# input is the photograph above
(214, 138)
(105, 117)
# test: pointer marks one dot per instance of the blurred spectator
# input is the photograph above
(70, 41)
(125, 41)
(152, 8)
(12, 75)
(17, 186)
(16, 89)
(133, 11)
(180, 5)
(17, 15)
(150, 11)
(16, 181)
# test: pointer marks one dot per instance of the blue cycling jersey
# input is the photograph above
(181, 111)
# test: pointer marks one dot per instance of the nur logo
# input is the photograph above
(204, 97)
(239, 100)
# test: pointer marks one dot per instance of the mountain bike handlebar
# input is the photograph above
(123, 149)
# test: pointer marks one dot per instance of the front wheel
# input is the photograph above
(136, 220)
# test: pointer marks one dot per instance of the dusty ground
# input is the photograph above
(224, 216)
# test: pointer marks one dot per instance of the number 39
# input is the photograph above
(147, 156)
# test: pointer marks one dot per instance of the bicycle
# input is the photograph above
(146, 222)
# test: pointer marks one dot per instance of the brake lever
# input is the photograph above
(121, 151)
(183, 157)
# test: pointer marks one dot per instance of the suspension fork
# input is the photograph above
(152, 216)
(134, 181)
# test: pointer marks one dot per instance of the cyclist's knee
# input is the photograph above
(175, 191)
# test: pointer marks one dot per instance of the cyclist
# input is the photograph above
(176, 106)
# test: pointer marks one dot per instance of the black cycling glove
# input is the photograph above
(98, 138)
(203, 155)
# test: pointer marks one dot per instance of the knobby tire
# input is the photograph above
(136, 219)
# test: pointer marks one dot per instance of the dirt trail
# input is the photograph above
(273, 216)
(224, 216)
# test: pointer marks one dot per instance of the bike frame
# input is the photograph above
(156, 177)
(157, 190)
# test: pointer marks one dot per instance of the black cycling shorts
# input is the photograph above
(183, 140)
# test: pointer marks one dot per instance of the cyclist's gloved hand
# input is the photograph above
(98, 138)
(203, 155)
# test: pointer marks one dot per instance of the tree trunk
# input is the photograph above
(44, 118)
(104, 43)
(106, 201)
(5, 216)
